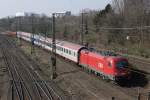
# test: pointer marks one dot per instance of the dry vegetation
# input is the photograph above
(106, 28)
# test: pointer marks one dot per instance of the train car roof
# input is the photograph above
(67, 44)
(58, 42)
(102, 54)
(70, 45)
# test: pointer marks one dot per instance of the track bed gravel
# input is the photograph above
(83, 86)
(73, 81)
(24, 81)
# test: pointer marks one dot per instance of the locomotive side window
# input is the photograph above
(109, 64)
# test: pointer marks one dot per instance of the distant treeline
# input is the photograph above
(124, 24)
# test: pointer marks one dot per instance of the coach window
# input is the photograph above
(69, 52)
(58, 47)
(50, 45)
(74, 54)
(66, 50)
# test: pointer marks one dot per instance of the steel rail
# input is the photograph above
(37, 83)
(8, 42)
(33, 75)
(22, 85)
(11, 74)
(47, 86)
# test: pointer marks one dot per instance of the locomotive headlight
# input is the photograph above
(116, 73)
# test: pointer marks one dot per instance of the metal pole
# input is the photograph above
(16, 29)
(82, 22)
(86, 25)
(32, 35)
(86, 31)
(9, 24)
(19, 29)
(53, 57)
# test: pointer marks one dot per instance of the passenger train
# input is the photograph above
(108, 65)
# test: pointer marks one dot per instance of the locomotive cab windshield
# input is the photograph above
(122, 64)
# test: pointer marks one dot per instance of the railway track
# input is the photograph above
(25, 83)
(140, 66)
(128, 91)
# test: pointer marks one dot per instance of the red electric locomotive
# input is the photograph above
(110, 66)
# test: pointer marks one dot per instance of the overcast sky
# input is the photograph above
(10, 7)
